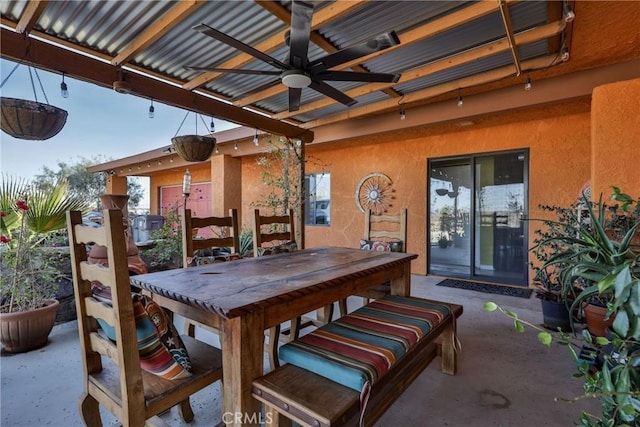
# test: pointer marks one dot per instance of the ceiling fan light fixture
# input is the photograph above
(295, 79)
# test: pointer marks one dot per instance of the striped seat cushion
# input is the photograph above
(359, 348)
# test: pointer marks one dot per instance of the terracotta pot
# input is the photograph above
(27, 330)
(594, 318)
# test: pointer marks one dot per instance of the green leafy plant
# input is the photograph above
(605, 260)
(166, 251)
(546, 245)
(28, 216)
(601, 253)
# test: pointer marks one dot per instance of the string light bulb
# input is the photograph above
(235, 146)
(460, 101)
(217, 150)
(152, 111)
(256, 141)
(64, 90)
(527, 85)
(568, 13)
(403, 113)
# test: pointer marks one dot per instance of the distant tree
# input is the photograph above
(89, 186)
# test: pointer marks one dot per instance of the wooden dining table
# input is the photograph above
(243, 298)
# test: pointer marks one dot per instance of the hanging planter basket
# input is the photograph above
(194, 148)
(31, 120)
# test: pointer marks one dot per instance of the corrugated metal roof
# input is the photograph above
(108, 27)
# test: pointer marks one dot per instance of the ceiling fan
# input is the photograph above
(296, 71)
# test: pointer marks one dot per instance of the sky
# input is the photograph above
(100, 122)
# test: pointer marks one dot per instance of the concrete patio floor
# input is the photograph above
(504, 378)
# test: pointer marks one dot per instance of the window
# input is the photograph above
(317, 187)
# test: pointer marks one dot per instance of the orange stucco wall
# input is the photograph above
(615, 129)
(569, 144)
(558, 138)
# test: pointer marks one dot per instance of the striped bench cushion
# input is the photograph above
(359, 348)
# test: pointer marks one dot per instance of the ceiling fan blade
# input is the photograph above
(351, 76)
(220, 36)
(332, 92)
(381, 42)
(235, 71)
(294, 98)
(301, 14)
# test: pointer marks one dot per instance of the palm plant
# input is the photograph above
(27, 216)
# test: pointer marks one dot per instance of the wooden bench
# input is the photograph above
(293, 393)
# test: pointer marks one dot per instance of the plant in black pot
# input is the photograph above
(556, 299)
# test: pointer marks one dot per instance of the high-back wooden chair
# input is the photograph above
(227, 227)
(112, 373)
(381, 232)
(273, 231)
(275, 234)
(228, 236)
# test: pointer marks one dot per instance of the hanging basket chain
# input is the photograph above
(33, 85)
(196, 119)
(180, 127)
(10, 74)
(35, 70)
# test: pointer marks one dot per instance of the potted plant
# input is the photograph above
(555, 298)
(599, 253)
(29, 275)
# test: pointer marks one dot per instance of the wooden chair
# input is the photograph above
(274, 234)
(228, 237)
(384, 228)
(112, 373)
(280, 230)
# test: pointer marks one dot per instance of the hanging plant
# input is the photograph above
(193, 148)
(31, 120)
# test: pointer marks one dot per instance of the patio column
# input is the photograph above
(116, 184)
(226, 185)
(615, 135)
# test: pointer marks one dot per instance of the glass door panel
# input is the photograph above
(449, 226)
(476, 207)
(500, 201)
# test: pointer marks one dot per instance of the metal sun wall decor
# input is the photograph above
(374, 192)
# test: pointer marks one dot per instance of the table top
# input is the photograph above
(231, 289)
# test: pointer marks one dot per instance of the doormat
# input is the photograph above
(487, 288)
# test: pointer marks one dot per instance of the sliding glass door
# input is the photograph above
(476, 210)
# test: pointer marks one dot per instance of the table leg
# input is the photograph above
(242, 362)
(402, 285)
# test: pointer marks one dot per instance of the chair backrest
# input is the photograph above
(228, 234)
(273, 230)
(386, 227)
(123, 353)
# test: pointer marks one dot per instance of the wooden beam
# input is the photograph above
(169, 20)
(323, 17)
(525, 37)
(30, 16)
(52, 58)
(504, 11)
